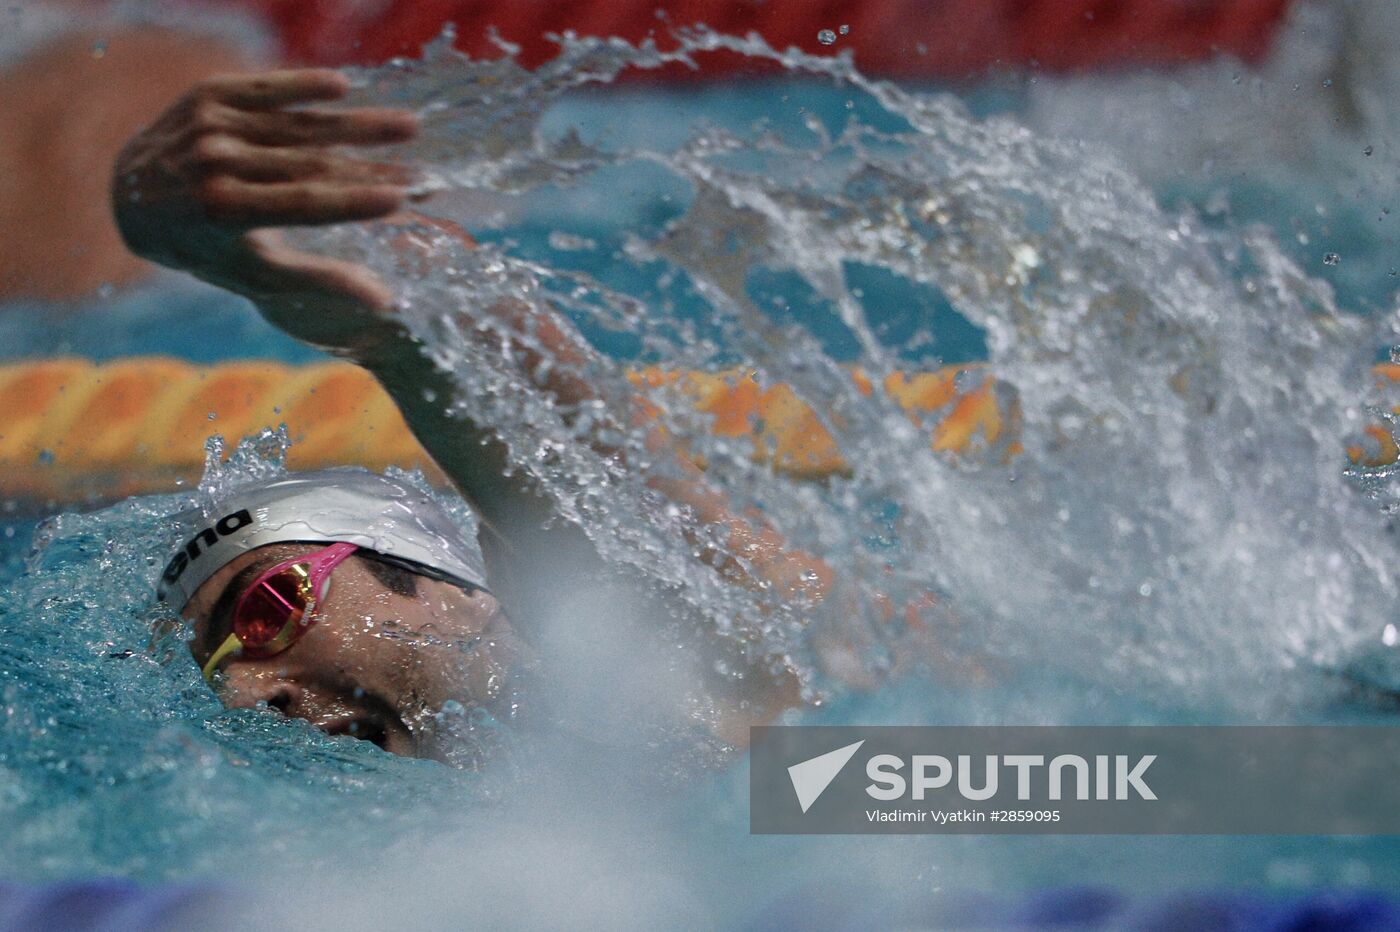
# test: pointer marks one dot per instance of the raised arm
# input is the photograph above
(205, 189)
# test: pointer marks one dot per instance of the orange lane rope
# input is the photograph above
(1378, 448)
(73, 429)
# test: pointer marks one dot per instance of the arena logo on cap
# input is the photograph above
(208, 537)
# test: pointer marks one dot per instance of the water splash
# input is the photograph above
(1288, 141)
(258, 459)
(1180, 513)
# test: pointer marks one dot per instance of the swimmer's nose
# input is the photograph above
(244, 686)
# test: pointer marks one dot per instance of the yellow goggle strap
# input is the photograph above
(231, 644)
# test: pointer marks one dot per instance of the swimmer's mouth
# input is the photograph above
(363, 727)
(368, 716)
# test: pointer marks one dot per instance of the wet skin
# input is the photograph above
(375, 664)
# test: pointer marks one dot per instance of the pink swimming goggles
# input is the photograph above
(277, 609)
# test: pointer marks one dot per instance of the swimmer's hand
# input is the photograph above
(204, 188)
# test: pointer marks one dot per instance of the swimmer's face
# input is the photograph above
(387, 650)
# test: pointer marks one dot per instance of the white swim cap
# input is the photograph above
(390, 517)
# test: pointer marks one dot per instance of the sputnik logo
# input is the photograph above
(811, 777)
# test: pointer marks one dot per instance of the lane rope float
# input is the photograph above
(72, 429)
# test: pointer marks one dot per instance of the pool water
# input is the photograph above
(1177, 544)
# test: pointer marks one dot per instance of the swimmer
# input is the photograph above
(344, 598)
(289, 588)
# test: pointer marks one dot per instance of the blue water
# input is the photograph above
(115, 758)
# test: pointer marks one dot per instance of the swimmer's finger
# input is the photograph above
(275, 88)
(240, 203)
(361, 126)
(228, 154)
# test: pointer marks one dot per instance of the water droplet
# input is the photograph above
(211, 415)
(1369, 149)
(1026, 256)
(826, 37)
(845, 30)
(1327, 82)
(1331, 259)
(99, 48)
